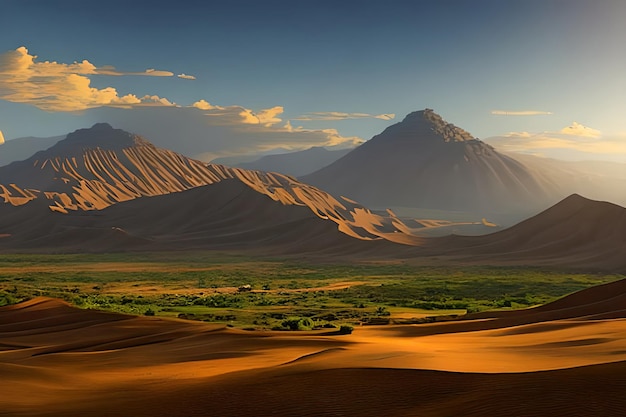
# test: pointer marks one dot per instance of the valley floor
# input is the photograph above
(565, 358)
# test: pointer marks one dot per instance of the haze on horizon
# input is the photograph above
(538, 77)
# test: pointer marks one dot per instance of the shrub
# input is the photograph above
(298, 323)
(345, 329)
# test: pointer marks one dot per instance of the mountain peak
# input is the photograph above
(100, 135)
(436, 123)
(102, 126)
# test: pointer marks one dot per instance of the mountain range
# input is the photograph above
(104, 189)
(101, 167)
(296, 164)
(428, 168)
(22, 148)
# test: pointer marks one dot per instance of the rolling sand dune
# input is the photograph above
(57, 360)
(576, 232)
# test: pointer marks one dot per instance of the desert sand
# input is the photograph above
(564, 358)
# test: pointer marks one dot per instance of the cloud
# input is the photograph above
(186, 77)
(572, 142)
(521, 113)
(576, 129)
(333, 115)
(216, 132)
(151, 72)
(201, 129)
(204, 105)
(266, 117)
(56, 87)
(155, 101)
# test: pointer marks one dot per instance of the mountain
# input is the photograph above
(225, 215)
(296, 164)
(101, 167)
(22, 148)
(598, 180)
(575, 233)
(426, 162)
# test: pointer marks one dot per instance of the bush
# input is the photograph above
(297, 323)
(345, 329)
(382, 311)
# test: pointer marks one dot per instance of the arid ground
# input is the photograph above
(567, 357)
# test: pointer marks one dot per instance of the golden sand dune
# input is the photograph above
(57, 360)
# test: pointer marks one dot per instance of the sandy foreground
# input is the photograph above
(565, 358)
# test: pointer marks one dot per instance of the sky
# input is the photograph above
(210, 79)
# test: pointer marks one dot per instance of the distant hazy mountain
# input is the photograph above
(599, 180)
(22, 148)
(293, 163)
(426, 162)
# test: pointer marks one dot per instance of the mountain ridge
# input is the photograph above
(98, 167)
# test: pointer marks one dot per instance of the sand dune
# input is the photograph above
(57, 360)
(575, 233)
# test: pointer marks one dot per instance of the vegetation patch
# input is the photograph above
(279, 294)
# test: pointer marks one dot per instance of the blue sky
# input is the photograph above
(479, 64)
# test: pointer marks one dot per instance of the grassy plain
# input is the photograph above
(285, 293)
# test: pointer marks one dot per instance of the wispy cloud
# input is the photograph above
(576, 140)
(218, 131)
(186, 76)
(112, 71)
(576, 129)
(520, 113)
(333, 115)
